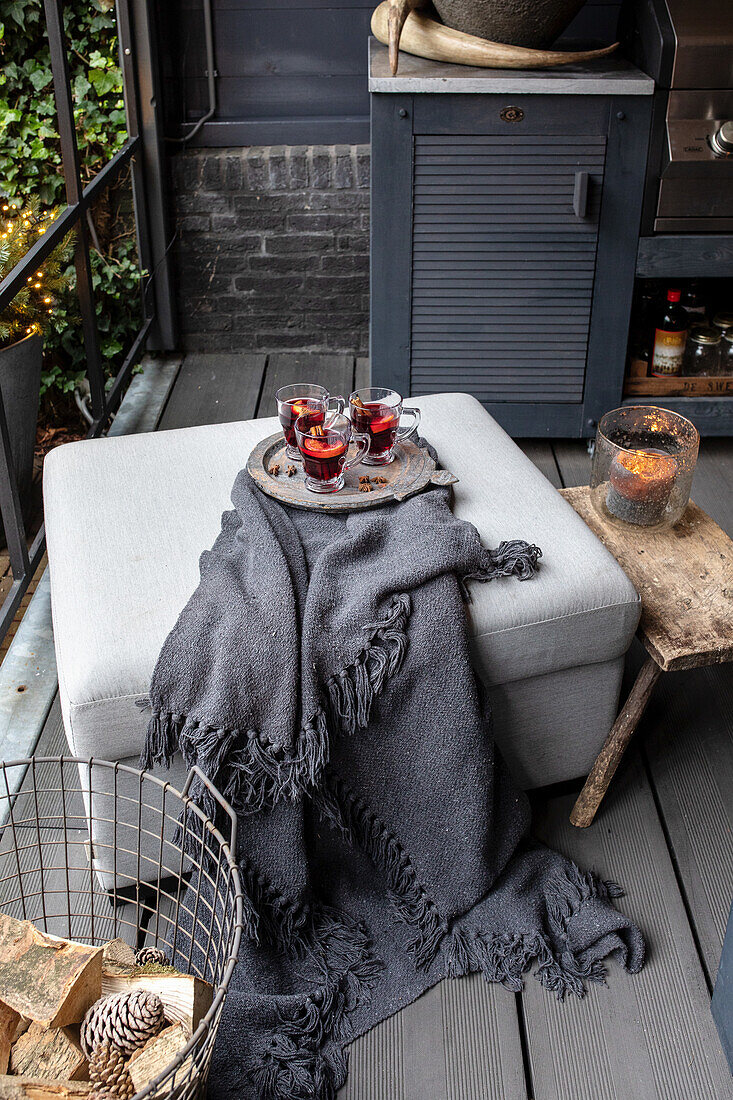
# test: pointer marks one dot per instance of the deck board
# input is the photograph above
(687, 737)
(362, 374)
(573, 462)
(334, 372)
(459, 1041)
(214, 389)
(650, 1035)
(541, 453)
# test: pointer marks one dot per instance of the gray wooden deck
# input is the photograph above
(664, 831)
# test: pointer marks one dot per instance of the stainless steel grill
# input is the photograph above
(688, 48)
(146, 880)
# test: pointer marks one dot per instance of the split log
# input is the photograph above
(186, 999)
(426, 38)
(28, 1088)
(23, 1024)
(157, 1054)
(118, 957)
(49, 1052)
(47, 979)
(9, 1021)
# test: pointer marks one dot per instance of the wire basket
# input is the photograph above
(92, 850)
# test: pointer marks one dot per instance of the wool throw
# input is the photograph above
(320, 677)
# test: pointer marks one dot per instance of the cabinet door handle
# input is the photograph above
(580, 194)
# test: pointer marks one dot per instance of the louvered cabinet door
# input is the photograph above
(504, 244)
(504, 234)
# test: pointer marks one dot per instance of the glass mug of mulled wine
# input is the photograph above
(379, 414)
(324, 448)
(303, 397)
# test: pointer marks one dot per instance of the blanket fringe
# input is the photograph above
(355, 822)
(353, 690)
(514, 558)
(305, 1055)
(506, 957)
(251, 770)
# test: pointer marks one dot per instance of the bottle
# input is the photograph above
(693, 304)
(670, 337)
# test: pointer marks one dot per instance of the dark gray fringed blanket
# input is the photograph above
(320, 676)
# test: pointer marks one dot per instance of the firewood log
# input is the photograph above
(427, 38)
(157, 1054)
(47, 979)
(9, 1020)
(185, 998)
(26, 1088)
(48, 1052)
(119, 957)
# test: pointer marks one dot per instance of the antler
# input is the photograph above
(398, 11)
(395, 22)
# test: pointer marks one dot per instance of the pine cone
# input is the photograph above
(108, 1074)
(151, 955)
(126, 1020)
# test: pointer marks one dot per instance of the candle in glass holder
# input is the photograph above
(640, 485)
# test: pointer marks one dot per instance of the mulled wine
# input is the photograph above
(323, 456)
(379, 422)
(324, 450)
(378, 414)
(298, 400)
(289, 411)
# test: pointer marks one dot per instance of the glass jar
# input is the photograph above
(723, 321)
(643, 465)
(726, 352)
(702, 351)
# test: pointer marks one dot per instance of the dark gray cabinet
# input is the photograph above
(504, 236)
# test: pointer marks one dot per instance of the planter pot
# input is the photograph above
(20, 384)
(532, 23)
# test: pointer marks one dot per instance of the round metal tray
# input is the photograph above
(411, 470)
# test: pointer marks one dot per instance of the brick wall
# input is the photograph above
(273, 247)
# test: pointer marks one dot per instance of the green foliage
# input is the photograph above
(32, 308)
(30, 166)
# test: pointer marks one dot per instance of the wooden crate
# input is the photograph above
(679, 386)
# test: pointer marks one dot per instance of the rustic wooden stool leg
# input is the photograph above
(609, 757)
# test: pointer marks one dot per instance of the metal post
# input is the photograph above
(140, 26)
(72, 180)
(10, 503)
(132, 114)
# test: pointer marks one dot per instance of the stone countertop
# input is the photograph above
(607, 76)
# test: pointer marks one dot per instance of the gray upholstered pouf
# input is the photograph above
(127, 518)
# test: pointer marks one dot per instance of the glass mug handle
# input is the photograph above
(334, 407)
(363, 440)
(404, 432)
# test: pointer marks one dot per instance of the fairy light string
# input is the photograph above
(32, 306)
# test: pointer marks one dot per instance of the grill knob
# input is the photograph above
(722, 140)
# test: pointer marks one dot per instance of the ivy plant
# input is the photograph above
(31, 170)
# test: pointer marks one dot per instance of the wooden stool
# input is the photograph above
(684, 575)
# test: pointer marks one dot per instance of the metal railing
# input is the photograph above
(143, 153)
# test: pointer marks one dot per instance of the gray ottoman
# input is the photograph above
(127, 517)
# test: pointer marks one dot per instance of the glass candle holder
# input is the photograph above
(643, 465)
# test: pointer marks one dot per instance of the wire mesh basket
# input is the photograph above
(92, 851)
